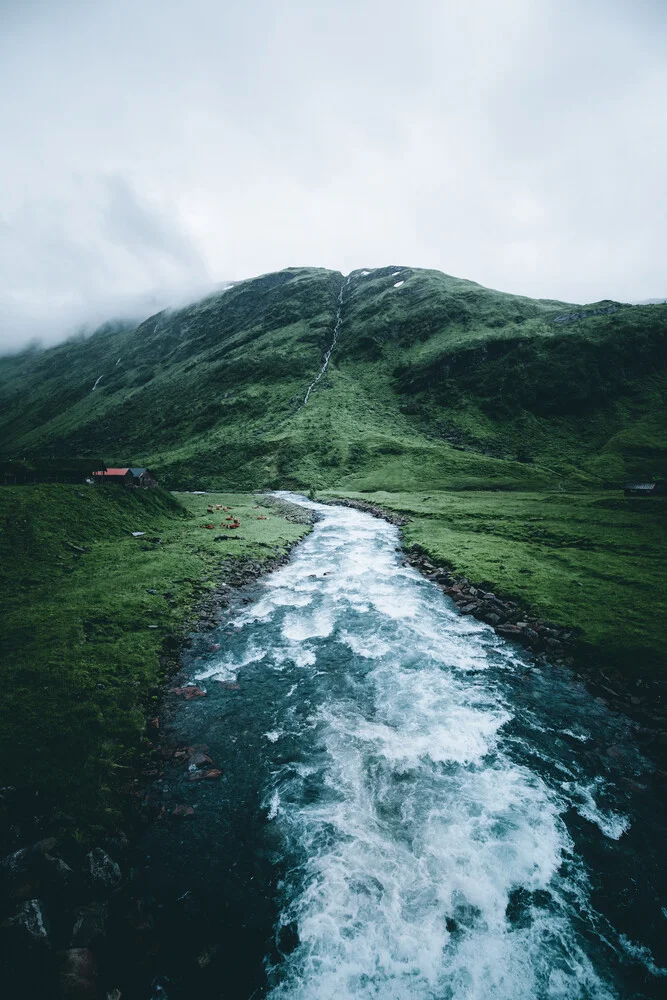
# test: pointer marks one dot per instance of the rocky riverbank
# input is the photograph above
(642, 699)
(71, 925)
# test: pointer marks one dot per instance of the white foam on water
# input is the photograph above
(612, 825)
(272, 806)
(319, 625)
(289, 598)
(422, 826)
(371, 647)
(582, 737)
(410, 825)
(405, 887)
(227, 668)
(640, 953)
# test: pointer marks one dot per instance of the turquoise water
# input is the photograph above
(410, 808)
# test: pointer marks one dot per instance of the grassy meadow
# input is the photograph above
(590, 560)
(86, 610)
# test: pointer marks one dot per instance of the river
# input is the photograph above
(410, 807)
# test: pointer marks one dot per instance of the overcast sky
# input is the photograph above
(153, 147)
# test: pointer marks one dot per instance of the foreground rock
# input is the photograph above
(78, 979)
(28, 927)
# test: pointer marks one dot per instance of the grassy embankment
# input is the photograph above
(81, 633)
(590, 560)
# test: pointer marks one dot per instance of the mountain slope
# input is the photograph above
(434, 380)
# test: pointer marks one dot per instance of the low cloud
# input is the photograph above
(93, 251)
(152, 149)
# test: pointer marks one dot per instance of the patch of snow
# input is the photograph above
(137, 534)
(365, 274)
(398, 284)
(97, 383)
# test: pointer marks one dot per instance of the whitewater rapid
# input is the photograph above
(423, 785)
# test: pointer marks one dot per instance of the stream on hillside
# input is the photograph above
(410, 808)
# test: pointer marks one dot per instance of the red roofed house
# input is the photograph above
(123, 476)
(137, 476)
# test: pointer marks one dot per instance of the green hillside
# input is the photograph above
(88, 609)
(434, 380)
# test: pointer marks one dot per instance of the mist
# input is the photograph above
(154, 150)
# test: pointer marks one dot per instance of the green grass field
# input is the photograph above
(81, 634)
(590, 560)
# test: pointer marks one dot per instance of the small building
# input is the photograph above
(122, 476)
(643, 489)
(143, 477)
(127, 476)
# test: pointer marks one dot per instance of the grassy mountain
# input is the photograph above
(434, 380)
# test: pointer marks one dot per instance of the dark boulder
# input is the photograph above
(509, 630)
(101, 872)
(182, 810)
(29, 925)
(23, 873)
(79, 975)
(211, 775)
(90, 925)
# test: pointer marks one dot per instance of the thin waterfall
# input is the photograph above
(337, 326)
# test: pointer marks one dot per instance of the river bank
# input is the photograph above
(381, 796)
(81, 906)
(65, 858)
(510, 608)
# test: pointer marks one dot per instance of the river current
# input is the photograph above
(410, 808)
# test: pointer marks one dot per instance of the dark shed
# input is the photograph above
(642, 489)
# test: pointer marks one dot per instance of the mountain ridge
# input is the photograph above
(433, 378)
